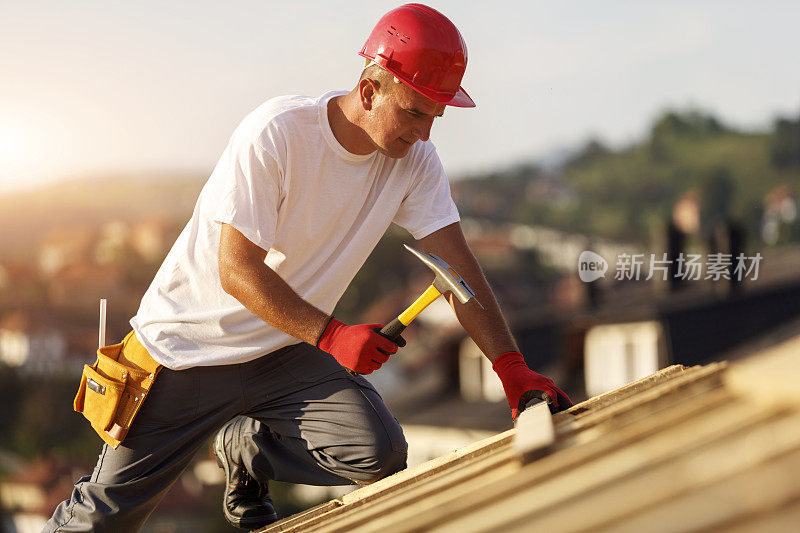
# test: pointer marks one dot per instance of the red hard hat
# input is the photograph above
(424, 50)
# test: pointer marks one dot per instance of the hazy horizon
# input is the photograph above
(96, 88)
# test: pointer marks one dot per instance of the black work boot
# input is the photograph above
(245, 502)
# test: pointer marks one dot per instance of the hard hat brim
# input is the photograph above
(459, 99)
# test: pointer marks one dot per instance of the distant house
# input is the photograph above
(112, 243)
(779, 222)
(81, 285)
(62, 247)
(30, 496)
(18, 282)
(29, 344)
(81, 346)
(635, 340)
(620, 353)
(152, 238)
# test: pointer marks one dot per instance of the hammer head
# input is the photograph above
(446, 279)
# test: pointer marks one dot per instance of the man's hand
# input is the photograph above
(517, 379)
(360, 348)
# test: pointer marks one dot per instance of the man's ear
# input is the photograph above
(367, 91)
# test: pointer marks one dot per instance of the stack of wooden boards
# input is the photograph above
(706, 448)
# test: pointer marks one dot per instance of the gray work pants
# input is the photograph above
(310, 422)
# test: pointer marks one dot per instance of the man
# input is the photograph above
(239, 313)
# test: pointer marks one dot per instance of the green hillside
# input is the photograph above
(629, 193)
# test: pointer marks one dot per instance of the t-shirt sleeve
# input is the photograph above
(428, 205)
(251, 192)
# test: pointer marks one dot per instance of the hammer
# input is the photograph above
(446, 279)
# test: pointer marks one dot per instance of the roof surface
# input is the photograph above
(706, 448)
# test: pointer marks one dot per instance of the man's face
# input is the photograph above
(400, 117)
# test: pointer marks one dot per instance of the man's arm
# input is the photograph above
(487, 327)
(244, 275)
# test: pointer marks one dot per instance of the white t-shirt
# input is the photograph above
(286, 183)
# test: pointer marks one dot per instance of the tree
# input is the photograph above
(785, 143)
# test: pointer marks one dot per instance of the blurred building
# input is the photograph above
(82, 284)
(29, 344)
(112, 243)
(780, 221)
(30, 495)
(152, 238)
(62, 247)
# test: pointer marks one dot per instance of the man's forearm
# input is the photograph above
(265, 294)
(487, 327)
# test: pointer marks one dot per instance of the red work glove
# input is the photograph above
(517, 379)
(360, 348)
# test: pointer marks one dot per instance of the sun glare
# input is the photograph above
(14, 148)
(21, 160)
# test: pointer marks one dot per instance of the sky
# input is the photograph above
(90, 87)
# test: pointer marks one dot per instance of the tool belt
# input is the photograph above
(113, 389)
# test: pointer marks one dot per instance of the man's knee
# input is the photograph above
(396, 463)
(384, 457)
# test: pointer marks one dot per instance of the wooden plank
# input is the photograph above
(770, 378)
(413, 478)
(432, 467)
(417, 496)
(751, 492)
(290, 523)
(570, 474)
(631, 389)
(391, 484)
(695, 380)
(705, 451)
(783, 519)
(466, 498)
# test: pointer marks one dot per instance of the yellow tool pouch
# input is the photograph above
(113, 389)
